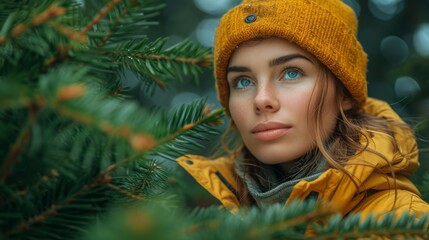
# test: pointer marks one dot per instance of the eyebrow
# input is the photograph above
(272, 63)
(237, 69)
(286, 58)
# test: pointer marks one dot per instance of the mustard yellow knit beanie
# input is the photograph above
(325, 28)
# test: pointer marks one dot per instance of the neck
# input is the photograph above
(301, 166)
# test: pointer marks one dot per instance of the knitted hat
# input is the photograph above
(325, 28)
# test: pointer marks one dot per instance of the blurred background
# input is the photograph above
(394, 33)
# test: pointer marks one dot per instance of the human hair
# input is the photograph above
(351, 136)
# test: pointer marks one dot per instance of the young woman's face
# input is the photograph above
(273, 94)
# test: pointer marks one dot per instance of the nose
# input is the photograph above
(266, 100)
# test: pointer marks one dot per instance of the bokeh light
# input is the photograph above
(406, 87)
(421, 39)
(214, 7)
(394, 49)
(183, 98)
(205, 31)
(385, 9)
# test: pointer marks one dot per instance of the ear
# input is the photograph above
(346, 104)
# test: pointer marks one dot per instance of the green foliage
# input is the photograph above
(80, 159)
(73, 144)
(277, 221)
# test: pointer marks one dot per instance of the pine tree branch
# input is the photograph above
(207, 114)
(211, 224)
(317, 214)
(151, 61)
(104, 178)
(161, 84)
(377, 233)
(354, 227)
(202, 62)
(101, 179)
(114, 25)
(20, 143)
(70, 33)
(143, 143)
(139, 141)
(103, 12)
(50, 13)
(61, 55)
(125, 192)
(53, 173)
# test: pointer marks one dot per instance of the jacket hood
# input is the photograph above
(377, 168)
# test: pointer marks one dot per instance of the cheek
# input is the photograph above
(328, 111)
(297, 103)
(238, 110)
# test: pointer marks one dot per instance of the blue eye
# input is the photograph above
(243, 83)
(292, 74)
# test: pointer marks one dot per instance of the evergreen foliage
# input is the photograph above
(80, 159)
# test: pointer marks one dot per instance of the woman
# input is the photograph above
(291, 75)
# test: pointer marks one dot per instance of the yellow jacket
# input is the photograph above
(376, 192)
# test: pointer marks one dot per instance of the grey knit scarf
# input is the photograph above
(280, 183)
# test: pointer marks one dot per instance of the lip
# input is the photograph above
(269, 131)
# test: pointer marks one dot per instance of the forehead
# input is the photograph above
(260, 49)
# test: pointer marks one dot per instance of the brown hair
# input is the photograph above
(352, 126)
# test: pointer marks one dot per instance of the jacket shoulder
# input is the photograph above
(398, 201)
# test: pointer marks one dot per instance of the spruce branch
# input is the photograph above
(210, 118)
(20, 143)
(113, 27)
(104, 178)
(84, 139)
(141, 142)
(101, 14)
(49, 212)
(44, 180)
(126, 15)
(354, 227)
(147, 182)
(317, 214)
(51, 12)
(68, 32)
(151, 62)
(125, 192)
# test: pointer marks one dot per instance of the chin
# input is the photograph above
(271, 159)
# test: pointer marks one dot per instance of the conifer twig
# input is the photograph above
(70, 33)
(125, 192)
(51, 12)
(158, 81)
(202, 62)
(20, 143)
(103, 12)
(210, 224)
(190, 126)
(113, 27)
(170, 137)
(53, 173)
(376, 233)
(102, 178)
